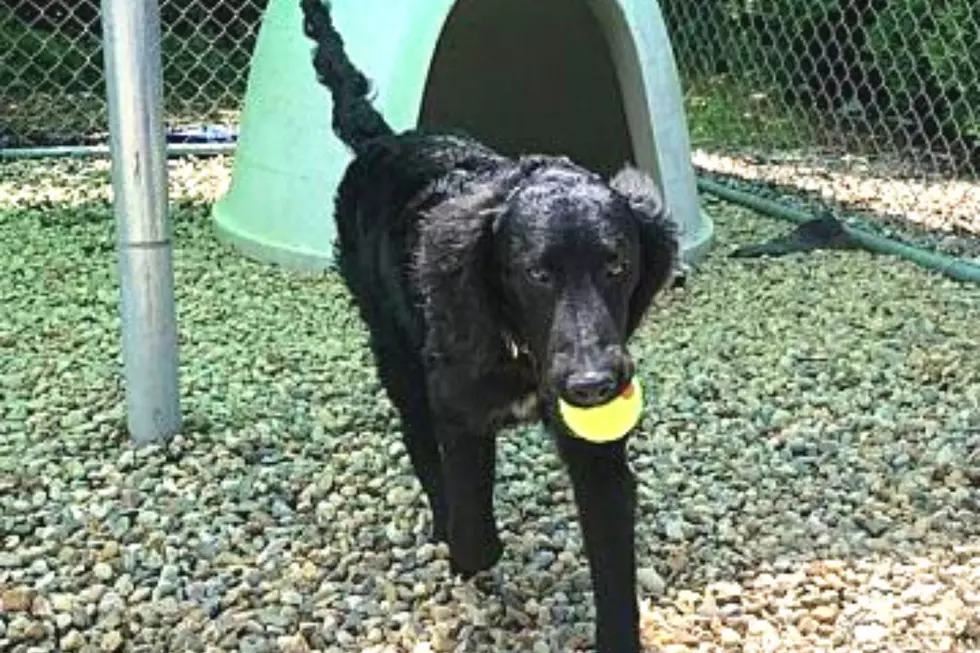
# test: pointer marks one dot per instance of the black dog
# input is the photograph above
(491, 287)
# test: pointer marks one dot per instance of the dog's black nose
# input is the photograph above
(588, 389)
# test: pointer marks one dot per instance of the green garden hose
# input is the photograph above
(952, 267)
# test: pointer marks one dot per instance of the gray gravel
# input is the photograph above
(809, 470)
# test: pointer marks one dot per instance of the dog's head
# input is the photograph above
(569, 264)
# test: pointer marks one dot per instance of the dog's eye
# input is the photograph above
(539, 275)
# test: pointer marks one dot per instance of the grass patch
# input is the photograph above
(726, 113)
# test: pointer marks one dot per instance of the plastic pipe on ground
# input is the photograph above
(955, 268)
(81, 151)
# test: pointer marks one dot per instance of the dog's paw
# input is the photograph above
(439, 532)
(467, 562)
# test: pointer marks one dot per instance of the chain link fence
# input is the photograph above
(869, 107)
(52, 86)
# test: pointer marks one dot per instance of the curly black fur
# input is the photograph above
(491, 287)
(354, 119)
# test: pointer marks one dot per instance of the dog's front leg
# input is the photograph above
(605, 495)
(464, 408)
(469, 465)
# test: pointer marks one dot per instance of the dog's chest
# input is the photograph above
(525, 408)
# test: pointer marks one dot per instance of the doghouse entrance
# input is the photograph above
(530, 77)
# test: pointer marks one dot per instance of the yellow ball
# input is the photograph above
(608, 422)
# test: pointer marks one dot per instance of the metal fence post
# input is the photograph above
(134, 84)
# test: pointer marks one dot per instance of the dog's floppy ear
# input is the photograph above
(456, 272)
(456, 232)
(658, 239)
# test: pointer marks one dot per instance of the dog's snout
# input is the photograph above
(591, 388)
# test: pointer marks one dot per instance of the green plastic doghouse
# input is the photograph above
(592, 79)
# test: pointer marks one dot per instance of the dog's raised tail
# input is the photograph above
(355, 120)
